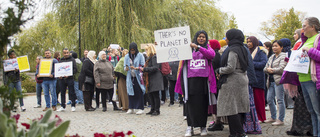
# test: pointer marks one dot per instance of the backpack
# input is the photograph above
(165, 68)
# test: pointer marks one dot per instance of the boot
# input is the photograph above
(115, 107)
(150, 112)
(215, 127)
(104, 109)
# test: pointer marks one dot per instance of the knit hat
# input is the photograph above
(222, 43)
(214, 44)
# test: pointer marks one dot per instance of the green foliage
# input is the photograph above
(282, 24)
(232, 23)
(29, 85)
(38, 128)
(8, 99)
(24, 76)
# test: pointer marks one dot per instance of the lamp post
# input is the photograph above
(79, 33)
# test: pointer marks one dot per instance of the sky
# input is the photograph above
(251, 13)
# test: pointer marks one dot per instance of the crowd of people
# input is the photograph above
(236, 83)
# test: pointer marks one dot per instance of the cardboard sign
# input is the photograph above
(114, 46)
(299, 62)
(10, 65)
(45, 67)
(23, 63)
(63, 69)
(173, 44)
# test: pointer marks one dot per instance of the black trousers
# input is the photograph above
(154, 100)
(235, 124)
(87, 98)
(105, 93)
(163, 92)
(172, 85)
(58, 88)
(98, 97)
(64, 83)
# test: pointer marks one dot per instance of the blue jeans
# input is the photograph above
(39, 90)
(312, 98)
(50, 85)
(17, 86)
(78, 92)
(278, 91)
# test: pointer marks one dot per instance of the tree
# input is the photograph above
(232, 23)
(283, 24)
(14, 17)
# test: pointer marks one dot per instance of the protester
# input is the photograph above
(268, 46)
(85, 53)
(49, 83)
(86, 80)
(57, 57)
(310, 89)
(67, 81)
(172, 80)
(194, 81)
(121, 82)
(259, 62)
(38, 84)
(135, 88)
(104, 76)
(12, 80)
(274, 69)
(78, 92)
(297, 38)
(233, 75)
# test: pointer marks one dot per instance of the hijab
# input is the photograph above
(255, 43)
(135, 47)
(286, 43)
(196, 37)
(214, 44)
(100, 54)
(90, 56)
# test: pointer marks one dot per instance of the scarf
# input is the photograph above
(313, 63)
(286, 43)
(91, 55)
(135, 47)
(253, 54)
(146, 74)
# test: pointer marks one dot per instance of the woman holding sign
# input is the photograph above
(310, 83)
(195, 81)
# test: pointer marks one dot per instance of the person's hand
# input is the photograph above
(305, 49)
(51, 76)
(132, 67)
(16, 70)
(60, 77)
(127, 68)
(98, 85)
(141, 68)
(270, 70)
(155, 43)
(65, 77)
(38, 76)
(192, 45)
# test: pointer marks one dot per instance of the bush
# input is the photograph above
(29, 85)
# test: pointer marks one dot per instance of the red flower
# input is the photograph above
(17, 117)
(99, 135)
(38, 118)
(118, 134)
(59, 121)
(129, 133)
(26, 125)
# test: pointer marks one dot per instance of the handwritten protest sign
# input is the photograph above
(173, 44)
(114, 46)
(63, 69)
(45, 67)
(299, 62)
(23, 63)
(10, 65)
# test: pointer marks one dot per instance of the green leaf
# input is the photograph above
(46, 116)
(51, 125)
(9, 132)
(3, 123)
(61, 130)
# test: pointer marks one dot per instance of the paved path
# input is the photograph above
(169, 123)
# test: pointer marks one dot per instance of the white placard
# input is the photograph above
(10, 65)
(299, 62)
(63, 69)
(173, 44)
(114, 46)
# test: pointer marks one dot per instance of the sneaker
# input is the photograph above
(69, 102)
(267, 108)
(140, 112)
(203, 131)
(269, 120)
(110, 103)
(23, 109)
(45, 109)
(54, 108)
(216, 127)
(73, 109)
(189, 132)
(130, 111)
(162, 102)
(61, 109)
(185, 118)
(277, 123)
(37, 106)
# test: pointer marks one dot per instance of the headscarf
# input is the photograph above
(286, 43)
(135, 47)
(260, 43)
(100, 54)
(196, 36)
(90, 56)
(255, 43)
(214, 44)
(222, 43)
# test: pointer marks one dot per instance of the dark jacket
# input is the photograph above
(52, 71)
(154, 74)
(250, 70)
(11, 76)
(174, 70)
(74, 65)
(259, 61)
(86, 70)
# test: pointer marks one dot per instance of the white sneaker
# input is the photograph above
(23, 109)
(203, 131)
(61, 109)
(267, 108)
(37, 106)
(185, 118)
(140, 112)
(130, 111)
(73, 109)
(189, 132)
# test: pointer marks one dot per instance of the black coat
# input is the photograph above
(174, 70)
(86, 70)
(154, 74)
(74, 65)
(259, 62)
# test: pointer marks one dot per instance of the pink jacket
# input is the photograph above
(314, 53)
